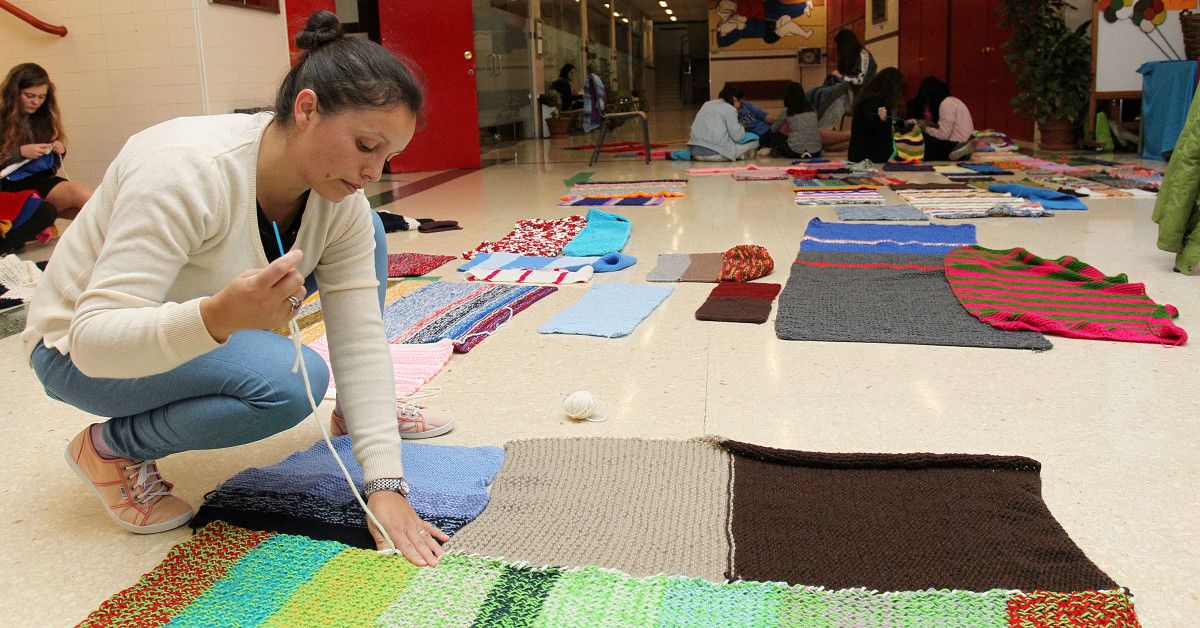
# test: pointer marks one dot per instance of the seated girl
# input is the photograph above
(716, 134)
(876, 110)
(796, 133)
(945, 122)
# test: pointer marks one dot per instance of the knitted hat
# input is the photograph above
(746, 262)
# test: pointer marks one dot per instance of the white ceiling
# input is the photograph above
(685, 10)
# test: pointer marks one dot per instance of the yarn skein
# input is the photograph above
(582, 405)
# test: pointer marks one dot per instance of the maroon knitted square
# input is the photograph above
(745, 290)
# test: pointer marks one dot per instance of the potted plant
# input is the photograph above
(1052, 65)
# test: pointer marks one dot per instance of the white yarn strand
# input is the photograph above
(582, 405)
(299, 364)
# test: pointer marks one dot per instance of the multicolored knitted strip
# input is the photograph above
(225, 575)
(1014, 289)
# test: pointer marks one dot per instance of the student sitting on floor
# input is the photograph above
(716, 134)
(871, 127)
(944, 120)
(803, 137)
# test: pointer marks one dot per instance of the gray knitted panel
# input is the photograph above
(900, 306)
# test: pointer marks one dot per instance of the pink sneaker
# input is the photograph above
(413, 421)
(133, 493)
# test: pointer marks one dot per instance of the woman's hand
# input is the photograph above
(882, 114)
(58, 147)
(836, 74)
(415, 538)
(33, 151)
(255, 299)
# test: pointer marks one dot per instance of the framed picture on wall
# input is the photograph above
(878, 11)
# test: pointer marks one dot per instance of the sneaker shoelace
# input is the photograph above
(149, 483)
(409, 413)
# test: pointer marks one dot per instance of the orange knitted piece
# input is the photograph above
(746, 262)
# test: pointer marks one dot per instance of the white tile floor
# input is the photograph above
(1114, 424)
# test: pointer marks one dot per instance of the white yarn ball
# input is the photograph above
(582, 405)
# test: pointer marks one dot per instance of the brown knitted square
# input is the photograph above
(899, 522)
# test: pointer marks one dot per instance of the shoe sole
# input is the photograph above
(437, 431)
(169, 524)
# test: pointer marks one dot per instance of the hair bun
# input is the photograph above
(322, 28)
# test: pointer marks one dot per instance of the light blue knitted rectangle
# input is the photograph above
(608, 310)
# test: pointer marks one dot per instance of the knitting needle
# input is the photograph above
(278, 239)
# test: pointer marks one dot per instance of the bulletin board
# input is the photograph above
(1120, 47)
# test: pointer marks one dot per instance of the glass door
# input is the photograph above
(503, 74)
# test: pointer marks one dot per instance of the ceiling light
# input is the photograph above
(670, 12)
(625, 19)
(607, 5)
(662, 3)
(615, 14)
(673, 18)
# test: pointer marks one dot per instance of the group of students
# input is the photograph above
(31, 131)
(729, 127)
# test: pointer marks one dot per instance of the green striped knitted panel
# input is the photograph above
(448, 596)
(819, 608)
(594, 596)
(516, 598)
(697, 602)
(189, 569)
(351, 589)
(260, 583)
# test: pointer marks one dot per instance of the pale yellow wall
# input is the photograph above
(245, 56)
(128, 64)
(886, 51)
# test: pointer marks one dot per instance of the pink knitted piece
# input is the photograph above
(414, 264)
(535, 236)
(414, 365)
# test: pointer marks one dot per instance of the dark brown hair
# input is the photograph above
(887, 86)
(45, 124)
(346, 73)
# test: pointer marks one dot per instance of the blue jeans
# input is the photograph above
(238, 393)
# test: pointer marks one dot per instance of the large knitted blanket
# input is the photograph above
(597, 532)
(230, 576)
(1014, 289)
(307, 494)
(608, 310)
(898, 298)
(466, 313)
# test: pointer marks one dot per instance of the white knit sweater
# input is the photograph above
(174, 219)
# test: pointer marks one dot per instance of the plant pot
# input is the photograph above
(1057, 135)
(559, 125)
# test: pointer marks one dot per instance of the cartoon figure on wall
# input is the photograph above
(764, 23)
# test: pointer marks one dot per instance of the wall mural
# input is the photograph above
(766, 24)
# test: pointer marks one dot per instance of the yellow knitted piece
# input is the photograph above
(375, 580)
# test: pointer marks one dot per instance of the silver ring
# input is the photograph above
(295, 301)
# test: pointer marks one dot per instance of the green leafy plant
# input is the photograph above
(1052, 63)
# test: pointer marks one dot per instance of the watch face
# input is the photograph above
(404, 488)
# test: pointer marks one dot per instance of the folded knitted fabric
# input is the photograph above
(682, 154)
(433, 226)
(609, 310)
(745, 262)
(602, 264)
(604, 233)
(703, 267)
(670, 267)
(519, 275)
(879, 212)
(1049, 199)
(739, 302)
(613, 262)
(395, 222)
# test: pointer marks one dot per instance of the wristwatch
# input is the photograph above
(395, 485)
